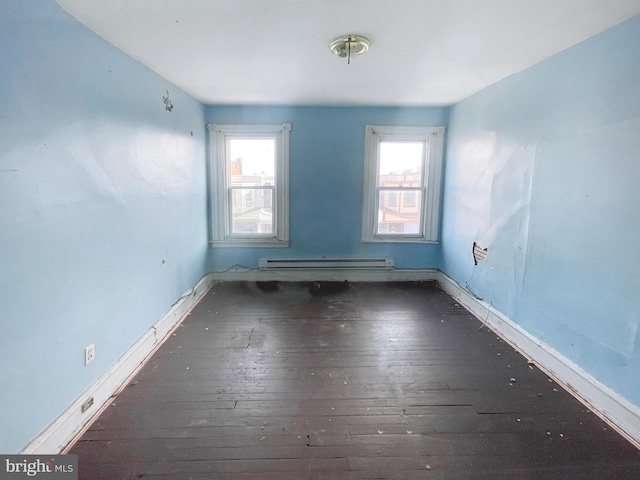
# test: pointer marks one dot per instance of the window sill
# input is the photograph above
(250, 243)
(399, 240)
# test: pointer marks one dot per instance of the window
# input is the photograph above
(248, 200)
(409, 199)
(402, 184)
(249, 185)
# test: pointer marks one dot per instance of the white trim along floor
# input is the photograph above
(615, 409)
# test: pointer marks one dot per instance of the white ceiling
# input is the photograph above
(423, 52)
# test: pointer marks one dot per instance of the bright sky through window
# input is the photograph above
(399, 157)
(258, 155)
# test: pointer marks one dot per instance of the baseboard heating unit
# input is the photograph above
(313, 263)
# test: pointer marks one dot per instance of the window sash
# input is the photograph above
(423, 160)
(228, 203)
(232, 209)
(228, 160)
(421, 191)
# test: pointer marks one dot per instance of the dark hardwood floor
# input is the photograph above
(345, 381)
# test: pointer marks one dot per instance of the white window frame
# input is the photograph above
(219, 187)
(432, 172)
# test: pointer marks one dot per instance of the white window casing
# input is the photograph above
(223, 197)
(429, 198)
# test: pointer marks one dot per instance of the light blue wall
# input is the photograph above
(543, 168)
(103, 221)
(98, 185)
(326, 181)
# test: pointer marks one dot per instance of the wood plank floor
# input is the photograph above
(345, 381)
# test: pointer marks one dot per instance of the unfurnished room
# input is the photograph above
(320, 239)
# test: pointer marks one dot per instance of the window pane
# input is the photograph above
(395, 217)
(251, 210)
(251, 161)
(400, 164)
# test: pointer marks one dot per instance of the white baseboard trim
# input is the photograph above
(55, 437)
(327, 275)
(621, 413)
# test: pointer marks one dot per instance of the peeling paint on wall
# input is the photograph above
(496, 182)
(479, 253)
(167, 102)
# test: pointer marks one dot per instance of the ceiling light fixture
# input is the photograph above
(349, 46)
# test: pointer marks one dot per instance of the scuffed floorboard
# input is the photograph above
(345, 381)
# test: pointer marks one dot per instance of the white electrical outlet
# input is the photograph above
(89, 353)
